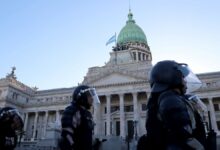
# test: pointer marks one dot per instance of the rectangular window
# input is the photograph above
(218, 124)
(144, 107)
(134, 55)
(114, 108)
(105, 110)
(139, 56)
(105, 128)
(129, 108)
(216, 107)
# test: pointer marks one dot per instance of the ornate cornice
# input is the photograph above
(36, 103)
(209, 75)
(121, 84)
(55, 91)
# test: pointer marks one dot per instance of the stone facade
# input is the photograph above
(123, 89)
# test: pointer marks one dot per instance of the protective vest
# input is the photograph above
(171, 122)
(80, 124)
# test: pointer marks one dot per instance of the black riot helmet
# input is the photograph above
(10, 117)
(83, 93)
(170, 74)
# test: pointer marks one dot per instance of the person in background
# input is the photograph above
(77, 122)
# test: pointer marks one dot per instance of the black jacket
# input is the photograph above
(77, 123)
(8, 138)
(171, 122)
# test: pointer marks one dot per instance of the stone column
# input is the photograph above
(45, 123)
(25, 125)
(96, 117)
(26, 121)
(137, 56)
(142, 56)
(122, 116)
(212, 115)
(108, 115)
(58, 122)
(136, 112)
(35, 126)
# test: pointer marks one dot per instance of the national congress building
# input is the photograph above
(122, 85)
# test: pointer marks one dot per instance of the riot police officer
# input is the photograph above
(11, 125)
(171, 123)
(77, 122)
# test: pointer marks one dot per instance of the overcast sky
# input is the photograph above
(52, 43)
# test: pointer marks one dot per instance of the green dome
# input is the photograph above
(131, 32)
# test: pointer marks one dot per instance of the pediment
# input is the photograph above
(114, 78)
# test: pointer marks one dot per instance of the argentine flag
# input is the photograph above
(112, 39)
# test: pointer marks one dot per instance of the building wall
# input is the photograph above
(123, 89)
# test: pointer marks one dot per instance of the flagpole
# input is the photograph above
(115, 47)
(129, 5)
(115, 39)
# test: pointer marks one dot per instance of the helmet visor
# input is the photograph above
(93, 94)
(192, 81)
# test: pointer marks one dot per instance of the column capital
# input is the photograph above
(121, 94)
(134, 93)
(108, 95)
(210, 98)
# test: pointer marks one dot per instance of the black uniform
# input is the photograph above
(8, 137)
(77, 128)
(171, 120)
(172, 123)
